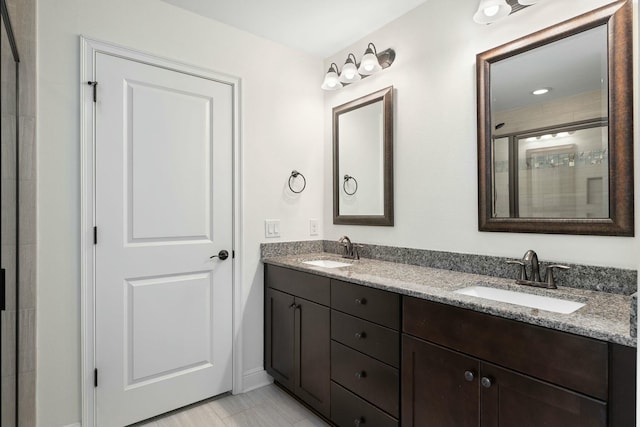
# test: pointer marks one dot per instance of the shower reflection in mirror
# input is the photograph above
(559, 172)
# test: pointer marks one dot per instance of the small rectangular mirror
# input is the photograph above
(363, 160)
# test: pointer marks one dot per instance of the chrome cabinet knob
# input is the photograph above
(469, 375)
(486, 382)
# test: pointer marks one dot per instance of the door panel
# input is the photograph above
(515, 400)
(169, 188)
(314, 335)
(435, 392)
(155, 323)
(163, 307)
(279, 330)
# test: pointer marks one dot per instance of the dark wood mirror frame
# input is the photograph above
(386, 96)
(618, 19)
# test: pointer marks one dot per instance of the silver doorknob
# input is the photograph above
(222, 255)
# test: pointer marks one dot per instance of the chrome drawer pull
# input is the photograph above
(361, 374)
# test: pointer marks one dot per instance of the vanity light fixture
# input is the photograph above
(527, 2)
(332, 79)
(491, 11)
(372, 62)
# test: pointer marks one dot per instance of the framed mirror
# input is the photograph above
(363, 160)
(555, 128)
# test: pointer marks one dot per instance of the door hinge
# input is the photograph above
(95, 235)
(95, 377)
(3, 299)
(94, 85)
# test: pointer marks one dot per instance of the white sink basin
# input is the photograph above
(555, 305)
(327, 263)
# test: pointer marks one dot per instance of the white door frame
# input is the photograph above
(88, 51)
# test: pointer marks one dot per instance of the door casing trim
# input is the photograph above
(88, 50)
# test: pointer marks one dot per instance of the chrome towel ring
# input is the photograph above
(295, 174)
(348, 178)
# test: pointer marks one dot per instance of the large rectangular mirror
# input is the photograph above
(363, 160)
(555, 137)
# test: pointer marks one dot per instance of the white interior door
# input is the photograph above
(163, 197)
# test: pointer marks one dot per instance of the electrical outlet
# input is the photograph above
(313, 227)
(271, 228)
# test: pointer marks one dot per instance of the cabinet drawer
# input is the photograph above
(308, 286)
(369, 378)
(346, 408)
(375, 340)
(371, 304)
(575, 362)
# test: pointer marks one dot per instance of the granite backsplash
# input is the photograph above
(605, 279)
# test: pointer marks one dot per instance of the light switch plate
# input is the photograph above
(271, 228)
(313, 227)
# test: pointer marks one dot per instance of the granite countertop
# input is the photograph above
(605, 316)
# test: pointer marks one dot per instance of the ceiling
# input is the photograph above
(320, 28)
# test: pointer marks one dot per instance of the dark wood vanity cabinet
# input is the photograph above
(451, 377)
(362, 356)
(297, 334)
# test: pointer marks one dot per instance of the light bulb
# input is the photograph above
(331, 80)
(370, 63)
(491, 10)
(349, 71)
(540, 91)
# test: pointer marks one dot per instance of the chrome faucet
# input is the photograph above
(530, 259)
(350, 250)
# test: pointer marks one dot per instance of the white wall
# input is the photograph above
(435, 151)
(282, 125)
(283, 128)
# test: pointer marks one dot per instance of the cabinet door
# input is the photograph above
(279, 337)
(439, 386)
(510, 399)
(312, 354)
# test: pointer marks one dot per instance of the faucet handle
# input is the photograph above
(523, 270)
(356, 254)
(551, 281)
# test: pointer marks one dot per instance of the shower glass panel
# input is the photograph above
(9, 223)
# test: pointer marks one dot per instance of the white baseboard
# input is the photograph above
(74, 425)
(255, 378)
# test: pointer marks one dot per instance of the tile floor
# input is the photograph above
(268, 406)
